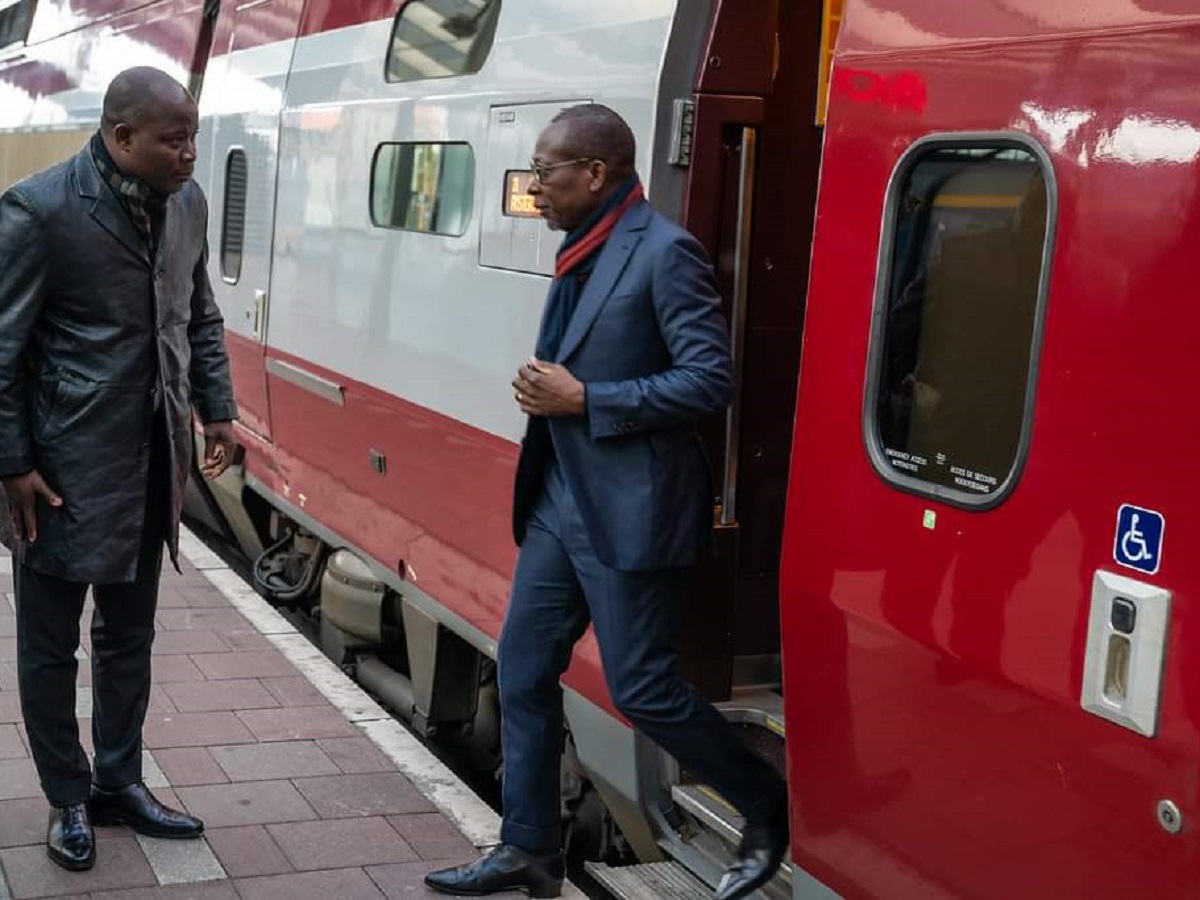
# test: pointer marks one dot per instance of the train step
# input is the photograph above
(757, 706)
(650, 881)
(708, 808)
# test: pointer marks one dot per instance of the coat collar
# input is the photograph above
(106, 208)
(614, 257)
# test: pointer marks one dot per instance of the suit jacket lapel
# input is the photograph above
(107, 209)
(614, 257)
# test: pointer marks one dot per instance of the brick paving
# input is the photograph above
(297, 801)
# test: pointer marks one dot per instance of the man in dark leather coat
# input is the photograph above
(109, 339)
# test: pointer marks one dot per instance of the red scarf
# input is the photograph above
(595, 237)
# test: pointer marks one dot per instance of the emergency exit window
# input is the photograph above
(423, 187)
(441, 38)
(958, 319)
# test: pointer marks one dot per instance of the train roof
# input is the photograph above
(888, 26)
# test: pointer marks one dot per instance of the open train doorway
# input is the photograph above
(756, 130)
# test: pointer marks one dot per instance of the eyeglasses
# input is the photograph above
(542, 171)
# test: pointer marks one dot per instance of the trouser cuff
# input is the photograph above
(768, 807)
(68, 793)
(535, 841)
(119, 777)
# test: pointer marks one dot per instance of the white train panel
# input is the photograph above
(410, 313)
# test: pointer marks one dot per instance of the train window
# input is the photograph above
(14, 22)
(440, 38)
(957, 319)
(233, 229)
(423, 187)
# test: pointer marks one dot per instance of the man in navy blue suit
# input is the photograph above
(612, 504)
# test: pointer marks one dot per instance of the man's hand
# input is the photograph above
(22, 492)
(548, 389)
(218, 448)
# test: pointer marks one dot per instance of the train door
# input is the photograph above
(241, 107)
(752, 154)
(987, 633)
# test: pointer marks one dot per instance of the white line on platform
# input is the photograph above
(181, 862)
(83, 703)
(152, 773)
(199, 555)
(262, 616)
(355, 704)
(441, 787)
(6, 565)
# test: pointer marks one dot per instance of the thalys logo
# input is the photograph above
(899, 91)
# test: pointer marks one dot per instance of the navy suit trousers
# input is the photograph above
(558, 588)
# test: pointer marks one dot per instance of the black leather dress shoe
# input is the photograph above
(758, 857)
(69, 838)
(135, 806)
(504, 869)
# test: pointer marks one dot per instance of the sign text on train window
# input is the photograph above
(517, 201)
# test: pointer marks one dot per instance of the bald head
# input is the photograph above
(149, 126)
(583, 157)
(593, 130)
(140, 92)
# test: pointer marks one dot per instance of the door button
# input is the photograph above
(1124, 615)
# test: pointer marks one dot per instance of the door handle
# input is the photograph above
(1126, 644)
(260, 311)
(737, 324)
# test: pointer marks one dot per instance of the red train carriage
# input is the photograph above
(982, 645)
(986, 623)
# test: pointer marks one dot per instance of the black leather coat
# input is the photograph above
(92, 333)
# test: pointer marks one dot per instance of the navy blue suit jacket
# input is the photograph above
(650, 344)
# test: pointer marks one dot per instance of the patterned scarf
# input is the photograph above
(140, 200)
(576, 258)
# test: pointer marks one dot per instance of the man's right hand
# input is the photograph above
(22, 492)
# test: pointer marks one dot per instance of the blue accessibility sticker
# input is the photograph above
(1139, 540)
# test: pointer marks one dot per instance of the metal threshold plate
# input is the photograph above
(717, 815)
(652, 881)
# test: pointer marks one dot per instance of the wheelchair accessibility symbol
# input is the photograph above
(1138, 542)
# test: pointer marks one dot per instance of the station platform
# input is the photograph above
(307, 787)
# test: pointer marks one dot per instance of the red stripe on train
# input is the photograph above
(328, 15)
(173, 29)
